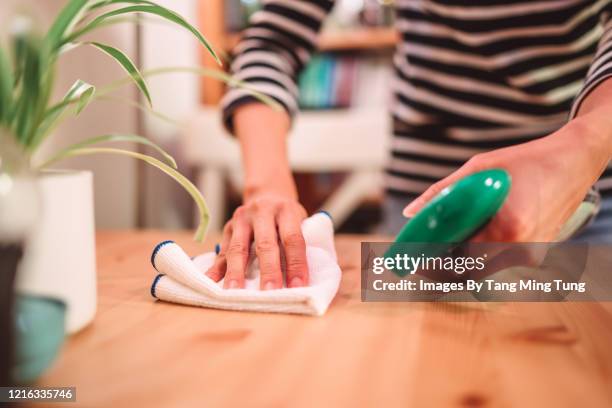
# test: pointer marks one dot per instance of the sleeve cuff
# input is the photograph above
(589, 87)
(237, 97)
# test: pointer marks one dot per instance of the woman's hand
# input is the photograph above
(550, 178)
(270, 220)
(271, 216)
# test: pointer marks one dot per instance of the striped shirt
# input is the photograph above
(469, 76)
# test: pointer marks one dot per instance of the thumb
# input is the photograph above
(418, 203)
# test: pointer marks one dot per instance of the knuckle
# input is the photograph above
(292, 209)
(477, 158)
(265, 205)
(302, 213)
(287, 205)
(294, 241)
(237, 249)
(435, 189)
(259, 204)
(478, 161)
(239, 212)
(296, 265)
(515, 227)
(265, 245)
(511, 233)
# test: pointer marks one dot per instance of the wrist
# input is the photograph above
(580, 149)
(595, 116)
(280, 186)
(593, 132)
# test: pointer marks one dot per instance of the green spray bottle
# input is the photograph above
(454, 215)
(464, 208)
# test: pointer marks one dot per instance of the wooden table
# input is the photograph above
(145, 353)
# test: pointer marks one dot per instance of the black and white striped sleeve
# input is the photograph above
(601, 66)
(279, 41)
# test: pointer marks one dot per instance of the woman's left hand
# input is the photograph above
(550, 178)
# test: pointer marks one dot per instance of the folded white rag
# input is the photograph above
(183, 280)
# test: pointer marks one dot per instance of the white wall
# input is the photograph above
(177, 96)
(115, 181)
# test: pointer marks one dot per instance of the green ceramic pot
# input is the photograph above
(39, 334)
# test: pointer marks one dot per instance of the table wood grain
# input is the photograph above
(145, 353)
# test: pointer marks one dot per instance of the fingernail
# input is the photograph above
(233, 284)
(269, 286)
(410, 210)
(296, 282)
(217, 249)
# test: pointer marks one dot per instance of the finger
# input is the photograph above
(217, 271)
(268, 252)
(497, 248)
(290, 230)
(418, 203)
(490, 233)
(238, 253)
(505, 226)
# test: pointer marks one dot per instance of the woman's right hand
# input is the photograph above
(270, 220)
(271, 216)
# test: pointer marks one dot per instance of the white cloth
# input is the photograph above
(183, 280)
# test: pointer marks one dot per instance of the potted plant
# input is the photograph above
(60, 255)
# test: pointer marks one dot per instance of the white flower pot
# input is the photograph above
(60, 253)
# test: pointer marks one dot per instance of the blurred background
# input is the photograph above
(335, 145)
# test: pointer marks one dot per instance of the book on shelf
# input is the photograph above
(327, 82)
(332, 81)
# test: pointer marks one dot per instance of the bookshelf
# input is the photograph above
(362, 39)
(212, 20)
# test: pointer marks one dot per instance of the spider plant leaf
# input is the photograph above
(133, 19)
(128, 65)
(85, 98)
(31, 97)
(67, 18)
(142, 107)
(18, 49)
(149, 8)
(80, 94)
(67, 47)
(104, 3)
(112, 138)
(178, 177)
(205, 72)
(6, 87)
